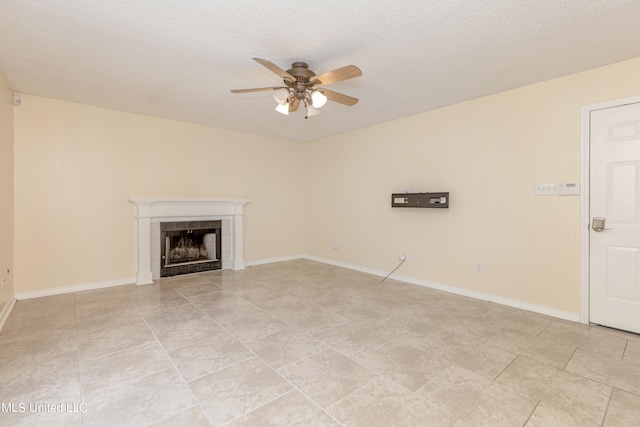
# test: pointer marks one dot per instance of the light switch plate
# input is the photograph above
(545, 189)
(569, 189)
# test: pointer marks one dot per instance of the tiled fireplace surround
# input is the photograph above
(151, 212)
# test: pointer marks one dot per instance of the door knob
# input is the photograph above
(598, 224)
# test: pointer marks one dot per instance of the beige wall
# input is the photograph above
(487, 153)
(76, 166)
(6, 194)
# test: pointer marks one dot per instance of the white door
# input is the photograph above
(614, 260)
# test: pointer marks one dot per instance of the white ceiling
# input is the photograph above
(178, 59)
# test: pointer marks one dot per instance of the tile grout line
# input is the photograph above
(221, 369)
(434, 404)
(256, 408)
(506, 367)
(531, 414)
(378, 376)
(288, 381)
(545, 328)
(564, 368)
(266, 364)
(175, 369)
(624, 351)
(606, 410)
(75, 331)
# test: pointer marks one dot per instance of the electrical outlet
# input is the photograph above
(403, 257)
(479, 267)
(336, 246)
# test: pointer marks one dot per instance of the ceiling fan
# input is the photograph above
(299, 87)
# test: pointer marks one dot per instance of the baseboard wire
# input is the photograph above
(392, 271)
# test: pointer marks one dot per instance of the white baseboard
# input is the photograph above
(6, 311)
(74, 288)
(523, 305)
(272, 260)
(349, 266)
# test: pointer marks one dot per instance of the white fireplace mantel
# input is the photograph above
(150, 212)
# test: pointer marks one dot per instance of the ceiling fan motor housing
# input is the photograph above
(302, 73)
(300, 70)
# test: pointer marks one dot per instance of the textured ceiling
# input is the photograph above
(178, 59)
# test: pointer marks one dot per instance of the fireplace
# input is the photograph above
(190, 247)
(150, 213)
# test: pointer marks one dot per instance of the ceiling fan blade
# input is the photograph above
(294, 105)
(339, 97)
(273, 67)
(344, 73)
(258, 89)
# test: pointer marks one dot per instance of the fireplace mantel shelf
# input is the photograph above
(148, 207)
(174, 201)
(150, 210)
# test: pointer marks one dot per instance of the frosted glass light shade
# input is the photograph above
(318, 99)
(281, 96)
(283, 109)
(312, 111)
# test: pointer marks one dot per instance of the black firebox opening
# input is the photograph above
(190, 247)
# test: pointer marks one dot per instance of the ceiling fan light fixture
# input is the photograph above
(281, 96)
(283, 108)
(318, 99)
(298, 90)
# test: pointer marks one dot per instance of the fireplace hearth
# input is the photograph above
(190, 247)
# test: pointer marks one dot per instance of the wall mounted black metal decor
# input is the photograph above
(420, 200)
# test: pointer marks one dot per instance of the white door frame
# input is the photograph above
(585, 217)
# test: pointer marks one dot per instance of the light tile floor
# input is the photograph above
(301, 343)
